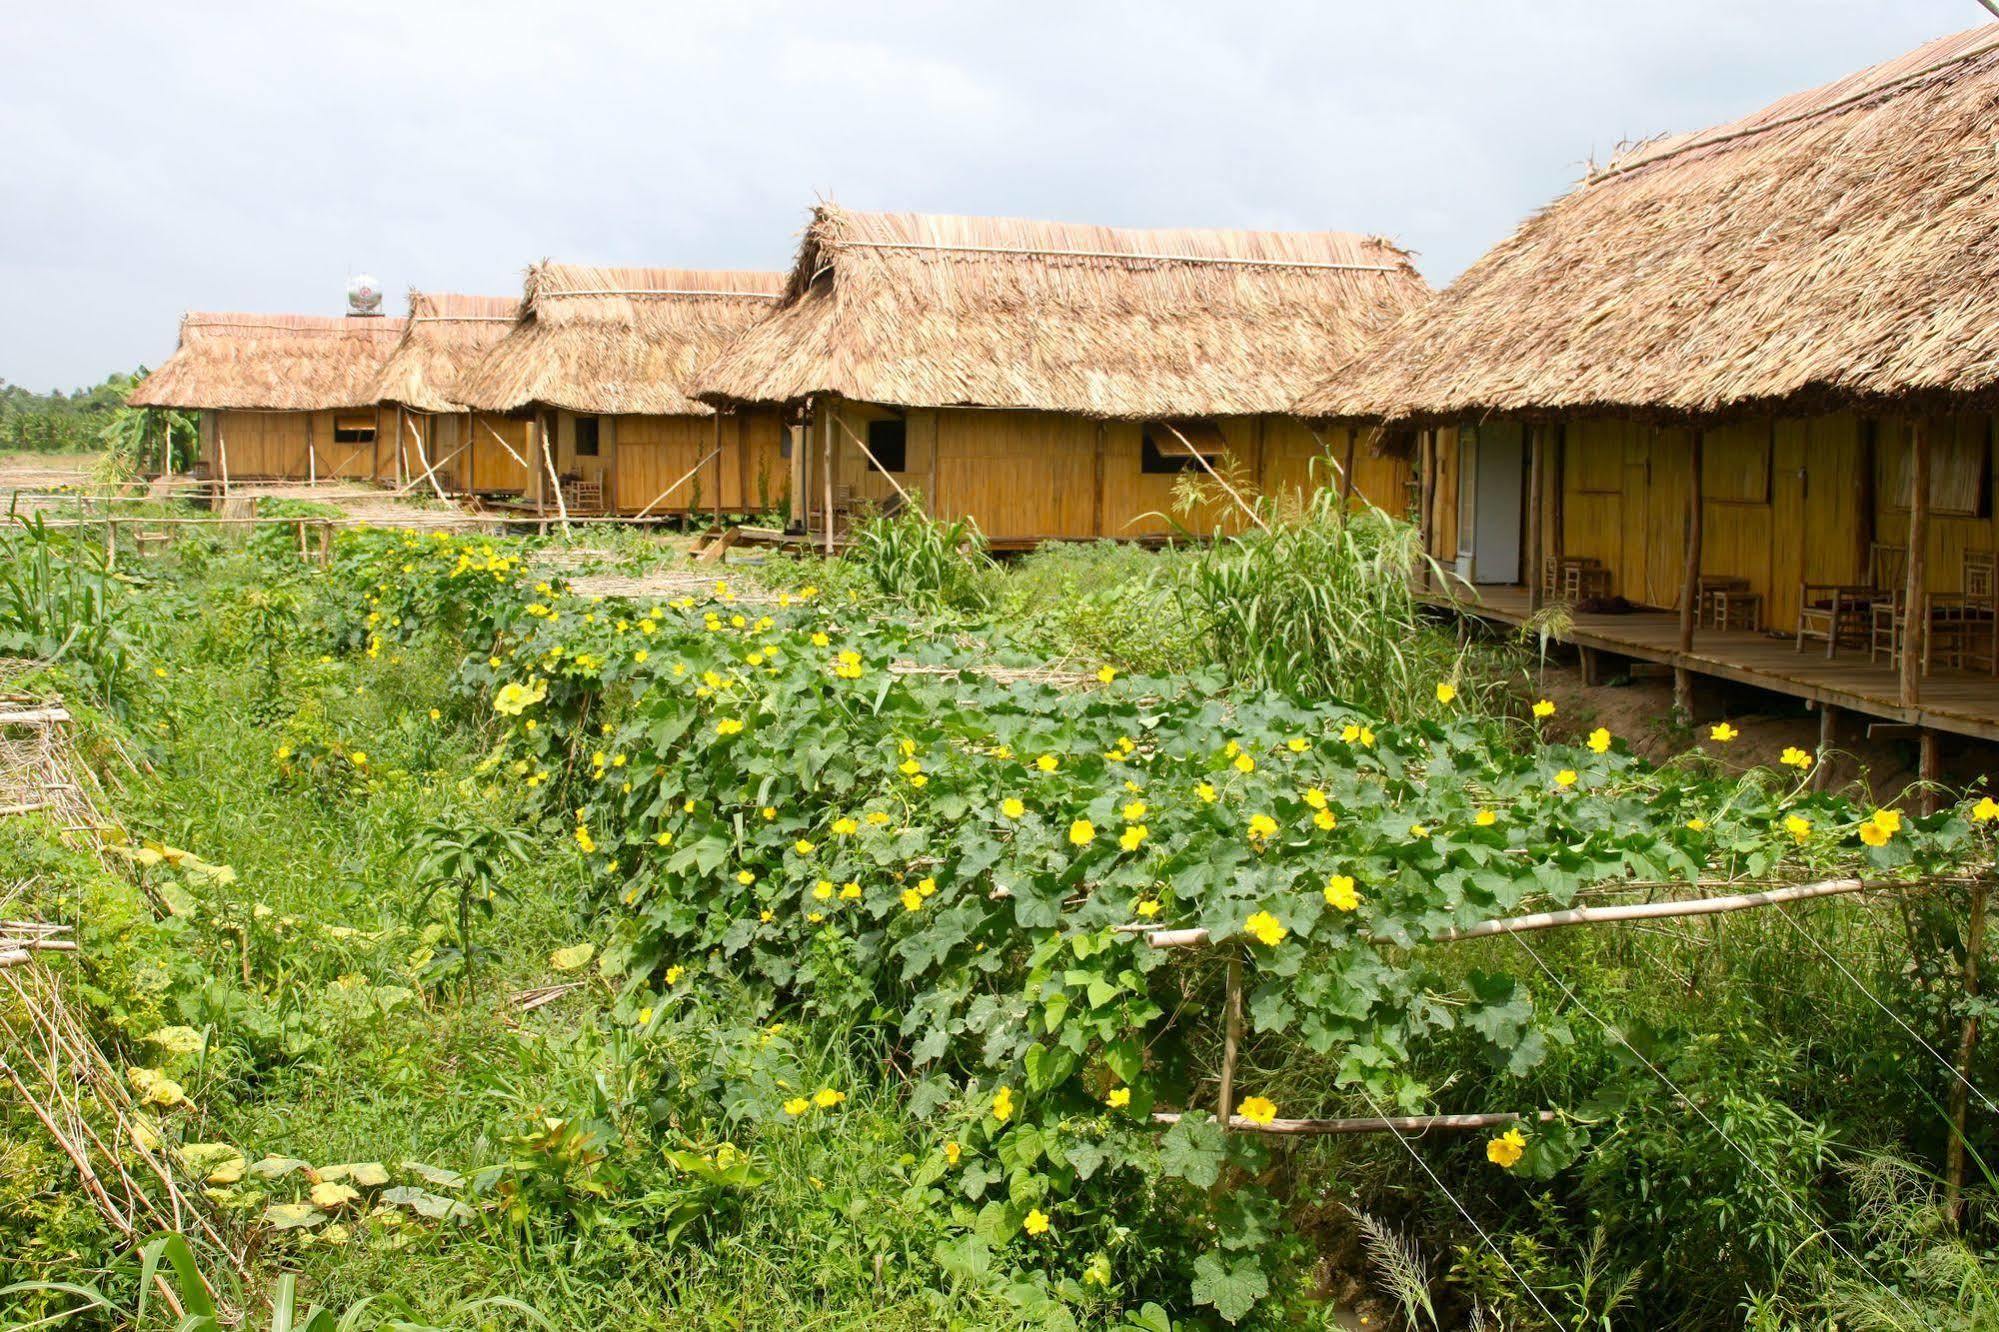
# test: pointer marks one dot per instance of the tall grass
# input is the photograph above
(58, 604)
(1323, 604)
(926, 564)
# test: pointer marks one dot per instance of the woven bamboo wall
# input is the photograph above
(651, 453)
(287, 445)
(493, 469)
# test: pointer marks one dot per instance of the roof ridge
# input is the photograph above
(1148, 256)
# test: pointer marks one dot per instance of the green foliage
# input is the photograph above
(58, 422)
(926, 564)
(467, 858)
(60, 606)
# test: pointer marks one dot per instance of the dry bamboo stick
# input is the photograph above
(1549, 920)
(430, 470)
(502, 440)
(869, 454)
(1395, 1124)
(1254, 516)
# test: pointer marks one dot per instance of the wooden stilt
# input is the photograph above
(1967, 1045)
(1828, 741)
(1927, 771)
(826, 465)
(1535, 592)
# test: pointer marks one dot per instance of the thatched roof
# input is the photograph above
(616, 340)
(913, 310)
(447, 335)
(1837, 247)
(261, 362)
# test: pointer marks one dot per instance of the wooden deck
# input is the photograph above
(1960, 702)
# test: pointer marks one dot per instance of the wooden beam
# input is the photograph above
(1915, 599)
(1231, 1041)
(827, 443)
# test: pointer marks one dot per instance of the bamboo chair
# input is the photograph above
(1973, 626)
(1844, 612)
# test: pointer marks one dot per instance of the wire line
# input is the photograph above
(1679, 1091)
(1489, 1242)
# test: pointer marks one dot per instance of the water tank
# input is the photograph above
(364, 295)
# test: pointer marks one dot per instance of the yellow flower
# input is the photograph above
(875, 817)
(1565, 778)
(766, 915)
(1257, 1109)
(1082, 832)
(1003, 1104)
(358, 758)
(845, 827)
(1106, 674)
(1012, 807)
(1350, 733)
(1874, 834)
(1887, 820)
(1340, 894)
(1797, 827)
(1485, 818)
(1446, 692)
(1244, 763)
(728, 726)
(803, 847)
(1544, 708)
(1261, 826)
(1036, 1222)
(912, 900)
(1206, 792)
(1265, 929)
(1599, 741)
(1316, 798)
(1134, 810)
(1366, 737)
(1048, 763)
(820, 640)
(745, 878)
(1119, 1098)
(1325, 820)
(1297, 744)
(435, 713)
(1793, 757)
(1697, 825)
(1418, 830)
(663, 839)
(952, 1151)
(1722, 732)
(1506, 1150)
(674, 973)
(513, 699)
(823, 890)
(1986, 810)
(926, 886)
(1147, 907)
(826, 1098)
(1131, 838)
(796, 1106)
(849, 891)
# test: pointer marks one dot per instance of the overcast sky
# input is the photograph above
(230, 156)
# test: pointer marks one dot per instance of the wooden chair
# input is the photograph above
(1844, 612)
(1972, 627)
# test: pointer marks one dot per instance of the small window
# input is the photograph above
(888, 441)
(353, 430)
(1165, 453)
(586, 436)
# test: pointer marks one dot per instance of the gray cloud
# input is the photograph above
(224, 156)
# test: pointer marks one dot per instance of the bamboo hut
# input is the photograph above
(1732, 396)
(1054, 381)
(438, 443)
(280, 396)
(598, 371)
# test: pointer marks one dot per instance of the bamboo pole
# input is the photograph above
(716, 454)
(508, 447)
(1231, 1042)
(826, 461)
(1535, 536)
(1915, 600)
(1550, 920)
(430, 468)
(1393, 1124)
(1967, 1045)
(801, 498)
(548, 462)
(1242, 504)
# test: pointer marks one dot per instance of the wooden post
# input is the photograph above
(222, 453)
(826, 464)
(1346, 470)
(1967, 1045)
(1096, 481)
(1690, 584)
(800, 500)
(1927, 773)
(1426, 483)
(718, 469)
(1231, 1041)
(311, 454)
(1534, 536)
(1915, 600)
(1828, 741)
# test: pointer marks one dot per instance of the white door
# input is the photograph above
(1494, 480)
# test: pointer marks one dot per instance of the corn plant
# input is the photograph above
(927, 564)
(59, 604)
